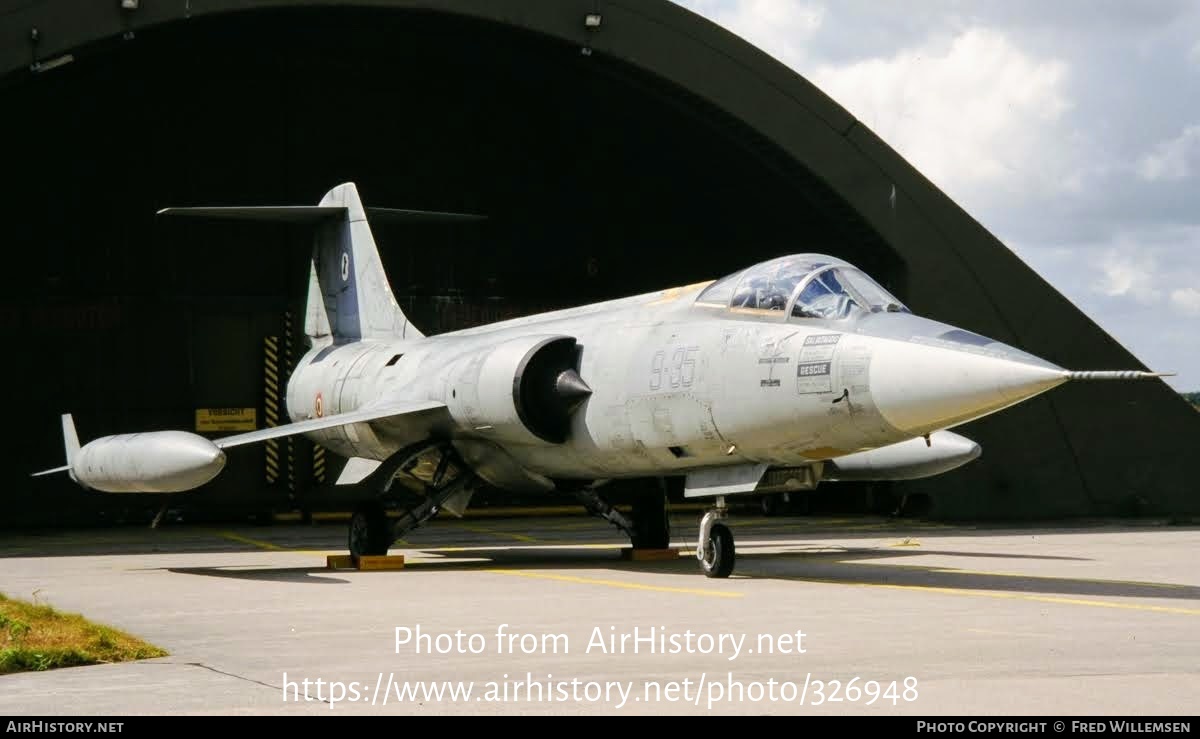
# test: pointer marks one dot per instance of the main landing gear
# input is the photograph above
(370, 531)
(715, 549)
(648, 526)
(444, 482)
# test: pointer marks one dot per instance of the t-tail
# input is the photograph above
(349, 297)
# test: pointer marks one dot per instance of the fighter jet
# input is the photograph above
(772, 379)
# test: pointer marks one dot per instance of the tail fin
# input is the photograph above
(349, 297)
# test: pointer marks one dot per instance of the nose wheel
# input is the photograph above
(715, 549)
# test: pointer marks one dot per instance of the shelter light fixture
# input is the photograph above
(129, 4)
(592, 20)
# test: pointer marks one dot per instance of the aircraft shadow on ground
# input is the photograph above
(304, 575)
(853, 566)
(814, 563)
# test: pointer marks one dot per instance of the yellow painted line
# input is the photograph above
(1005, 596)
(615, 583)
(252, 542)
(494, 532)
(577, 525)
(268, 546)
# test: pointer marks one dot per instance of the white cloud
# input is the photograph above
(1127, 272)
(1158, 266)
(781, 28)
(1175, 159)
(1035, 119)
(1186, 300)
(973, 110)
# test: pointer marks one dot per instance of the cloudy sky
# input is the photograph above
(1070, 129)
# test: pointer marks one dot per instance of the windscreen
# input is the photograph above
(838, 292)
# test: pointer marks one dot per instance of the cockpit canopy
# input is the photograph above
(801, 286)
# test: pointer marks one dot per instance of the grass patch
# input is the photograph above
(35, 637)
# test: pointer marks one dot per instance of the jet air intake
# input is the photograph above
(522, 390)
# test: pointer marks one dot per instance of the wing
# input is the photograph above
(371, 413)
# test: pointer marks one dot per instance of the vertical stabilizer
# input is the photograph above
(349, 295)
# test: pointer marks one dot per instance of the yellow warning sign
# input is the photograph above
(226, 419)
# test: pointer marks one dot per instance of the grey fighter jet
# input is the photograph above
(789, 372)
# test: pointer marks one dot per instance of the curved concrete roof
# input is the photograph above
(1096, 447)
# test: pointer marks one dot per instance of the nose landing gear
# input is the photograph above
(715, 549)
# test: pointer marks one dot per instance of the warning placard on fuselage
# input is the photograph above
(814, 366)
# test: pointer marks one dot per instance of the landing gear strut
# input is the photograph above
(601, 508)
(649, 527)
(651, 522)
(715, 549)
(445, 480)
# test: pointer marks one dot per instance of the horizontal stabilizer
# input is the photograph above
(268, 214)
(399, 215)
(312, 214)
(375, 413)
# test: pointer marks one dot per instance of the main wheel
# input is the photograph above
(651, 524)
(718, 552)
(370, 530)
(769, 504)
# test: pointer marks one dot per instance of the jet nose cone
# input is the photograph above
(907, 327)
(926, 382)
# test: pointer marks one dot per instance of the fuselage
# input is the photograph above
(679, 385)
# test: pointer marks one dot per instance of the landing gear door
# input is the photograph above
(741, 478)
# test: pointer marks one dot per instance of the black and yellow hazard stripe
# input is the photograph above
(288, 362)
(271, 402)
(318, 463)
